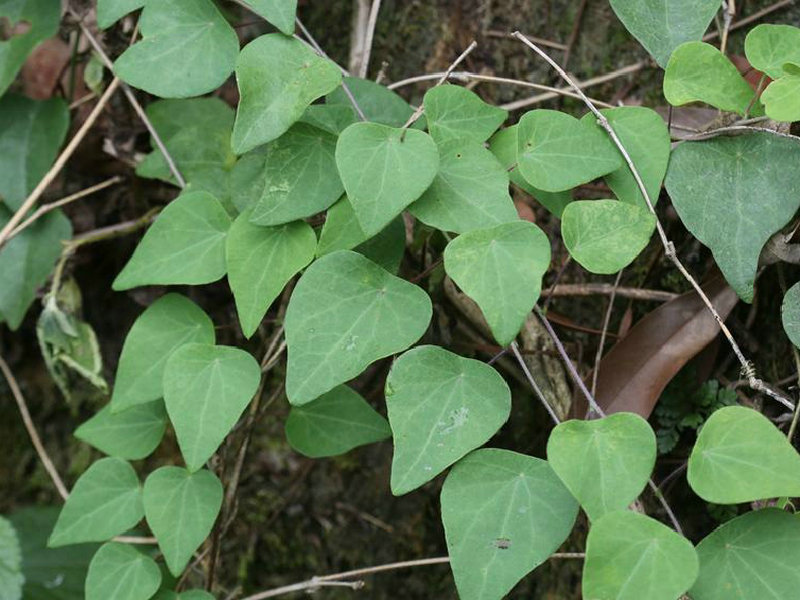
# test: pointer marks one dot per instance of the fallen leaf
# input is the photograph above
(636, 370)
(43, 69)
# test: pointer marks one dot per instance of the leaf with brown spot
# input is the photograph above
(636, 370)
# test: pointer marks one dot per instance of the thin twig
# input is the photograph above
(31, 428)
(533, 384)
(373, 20)
(754, 17)
(573, 36)
(62, 159)
(739, 129)
(317, 582)
(606, 289)
(669, 248)
(601, 344)
(541, 41)
(46, 208)
(128, 539)
(729, 12)
(442, 79)
(137, 107)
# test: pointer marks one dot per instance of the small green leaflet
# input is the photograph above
(280, 13)
(278, 77)
(333, 118)
(31, 133)
(335, 423)
(206, 389)
(769, 47)
(185, 245)
(606, 462)
(341, 231)
(504, 514)
(717, 187)
(645, 137)
(379, 104)
(106, 501)
(181, 508)
(197, 135)
(740, 456)
(557, 152)
(504, 146)
(790, 314)
(661, 26)
(11, 577)
(111, 11)
(781, 99)
(605, 236)
(42, 17)
(132, 434)
(454, 112)
(345, 313)
(698, 72)
(501, 268)
(248, 180)
(441, 406)
(167, 324)
(752, 556)
(261, 261)
(631, 557)
(384, 169)
(470, 190)
(27, 260)
(300, 174)
(187, 49)
(42, 566)
(121, 572)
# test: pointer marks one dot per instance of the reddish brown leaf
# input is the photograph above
(43, 68)
(636, 370)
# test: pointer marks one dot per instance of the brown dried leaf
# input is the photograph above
(636, 370)
(43, 68)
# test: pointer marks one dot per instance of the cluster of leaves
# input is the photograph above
(304, 140)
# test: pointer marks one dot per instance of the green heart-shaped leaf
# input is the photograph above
(333, 118)
(167, 324)
(181, 508)
(187, 49)
(790, 314)
(121, 572)
(740, 456)
(300, 176)
(504, 513)
(645, 137)
(441, 406)
(278, 77)
(197, 135)
(132, 434)
(605, 463)
(782, 99)
(280, 13)
(698, 72)
(630, 557)
(504, 146)
(454, 112)
(661, 26)
(206, 389)
(769, 47)
(752, 556)
(384, 169)
(605, 236)
(501, 268)
(345, 313)
(42, 18)
(261, 261)
(111, 11)
(185, 245)
(378, 103)
(30, 134)
(11, 577)
(717, 187)
(334, 423)
(557, 152)
(27, 260)
(106, 501)
(470, 190)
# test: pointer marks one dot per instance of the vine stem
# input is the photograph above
(606, 321)
(62, 159)
(418, 113)
(669, 248)
(316, 582)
